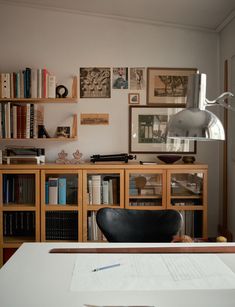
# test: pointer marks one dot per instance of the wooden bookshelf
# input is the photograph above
(160, 179)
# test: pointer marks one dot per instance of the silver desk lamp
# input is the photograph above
(195, 122)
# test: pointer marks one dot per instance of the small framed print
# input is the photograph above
(167, 87)
(147, 131)
(63, 132)
(134, 98)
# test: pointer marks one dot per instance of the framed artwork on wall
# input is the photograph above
(120, 78)
(147, 131)
(95, 82)
(168, 86)
(134, 98)
(137, 78)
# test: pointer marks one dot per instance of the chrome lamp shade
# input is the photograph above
(195, 122)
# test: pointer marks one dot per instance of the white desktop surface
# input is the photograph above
(33, 277)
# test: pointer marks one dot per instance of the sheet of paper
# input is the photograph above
(151, 272)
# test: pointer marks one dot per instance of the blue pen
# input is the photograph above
(106, 267)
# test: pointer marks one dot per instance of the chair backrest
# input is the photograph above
(124, 225)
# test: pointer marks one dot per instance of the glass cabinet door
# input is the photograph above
(187, 194)
(61, 205)
(145, 189)
(101, 188)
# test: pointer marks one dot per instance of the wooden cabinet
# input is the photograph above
(24, 193)
(19, 209)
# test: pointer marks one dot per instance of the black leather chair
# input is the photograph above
(124, 225)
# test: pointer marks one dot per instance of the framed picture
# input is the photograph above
(134, 98)
(168, 86)
(147, 131)
(95, 82)
(120, 78)
(137, 78)
(94, 119)
(63, 132)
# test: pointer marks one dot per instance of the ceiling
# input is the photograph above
(208, 15)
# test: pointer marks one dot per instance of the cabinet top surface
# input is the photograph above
(96, 166)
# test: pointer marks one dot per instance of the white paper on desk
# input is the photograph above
(151, 272)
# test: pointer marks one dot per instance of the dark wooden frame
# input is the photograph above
(152, 149)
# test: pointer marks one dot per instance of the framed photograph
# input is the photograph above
(168, 86)
(94, 119)
(147, 131)
(137, 78)
(120, 78)
(95, 82)
(134, 98)
(63, 132)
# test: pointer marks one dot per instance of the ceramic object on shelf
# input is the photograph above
(188, 159)
(169, 159)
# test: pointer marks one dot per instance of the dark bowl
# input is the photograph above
(169, 158)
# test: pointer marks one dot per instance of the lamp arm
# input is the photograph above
(222, 103)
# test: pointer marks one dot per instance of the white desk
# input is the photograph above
(35, 278)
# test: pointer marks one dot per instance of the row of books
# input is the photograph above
(61, 190)
(20, 120)
(19, 223)
(18, 189)
(28, 83)
(192, 223)
(145, 202)
(186, 202)
(103, 189)
(62, 225)
(94, 233)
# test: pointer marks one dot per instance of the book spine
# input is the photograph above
(96, 189)
(53, 191)
(5, 82)
(35, 123)
(46, 192)
(31, 120)
(105, 192)
(51, 86)
(34, 83)
(39, 83)
(27, 128)
(23, 121)
(62, 191)
(1, 122)
(28, 82)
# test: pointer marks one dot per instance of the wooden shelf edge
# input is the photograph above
(60, 139)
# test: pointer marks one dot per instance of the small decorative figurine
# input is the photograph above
(62, 158)
(77, 157)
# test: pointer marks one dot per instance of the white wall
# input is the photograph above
(63, 42)
(227, 43)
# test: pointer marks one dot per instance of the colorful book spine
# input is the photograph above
(62, 191)
(47, 192)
